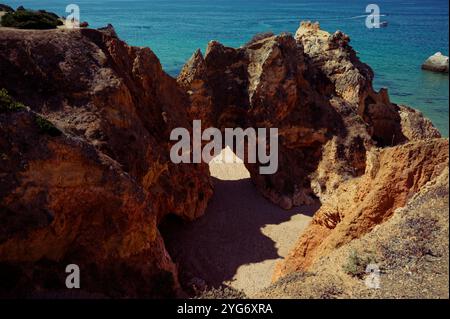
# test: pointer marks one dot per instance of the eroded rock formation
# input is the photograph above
(411, 250)
(341, 72)
(314, 89)
(340, 140)
(436, 63)
(93, 195)
(393, 175)
(85, 170)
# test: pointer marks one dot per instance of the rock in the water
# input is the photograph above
(436, 63)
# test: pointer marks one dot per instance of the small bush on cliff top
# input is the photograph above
(8, 104)
(357, 263)
(5, 8)
(28, 19)
(47, 127)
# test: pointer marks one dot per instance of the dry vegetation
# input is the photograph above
(411, 250)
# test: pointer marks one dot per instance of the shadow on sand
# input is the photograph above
(230, 234)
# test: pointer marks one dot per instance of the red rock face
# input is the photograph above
(94, 195)
(263, 85)
(392, 177)
(315, 91)
(341, 73)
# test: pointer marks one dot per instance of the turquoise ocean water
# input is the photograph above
(174, 29)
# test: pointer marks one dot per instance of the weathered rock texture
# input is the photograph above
(318, 94)
(415, 126)
(436, 63)
(93, 189)
(93, 195)
(392, 177)
(411, 250)
(340, 72)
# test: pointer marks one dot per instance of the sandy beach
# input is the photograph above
(241, 236)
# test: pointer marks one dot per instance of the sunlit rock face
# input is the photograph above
(340, 140)
(393, 175)
(86, 174)
(342, 73)
(314, 89)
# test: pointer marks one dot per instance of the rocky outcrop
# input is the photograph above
(415, 126)
(411, 250)
(336, 63)
(264, 85)
(338, 71)
(314, 89)
(86, 176)
(64, 202)
(94, 195)
(436, 63)
(392, 176)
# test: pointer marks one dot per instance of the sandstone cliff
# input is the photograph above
(340, 140)
(393, 176)
(411, 250)
(314, 89)
(85, 170)
(93, 195)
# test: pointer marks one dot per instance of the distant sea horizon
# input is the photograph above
(175, 29)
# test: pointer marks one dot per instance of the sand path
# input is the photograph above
(241, 236)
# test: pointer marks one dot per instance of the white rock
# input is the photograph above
(437, 63)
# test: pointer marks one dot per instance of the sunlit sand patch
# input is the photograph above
(228, 167)
(251, 278)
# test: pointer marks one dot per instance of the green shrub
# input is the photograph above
(28, 19)
(357, 263)
(8, 104)
(6, 8)
(47, 127)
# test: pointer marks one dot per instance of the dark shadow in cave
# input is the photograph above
(228, 235)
